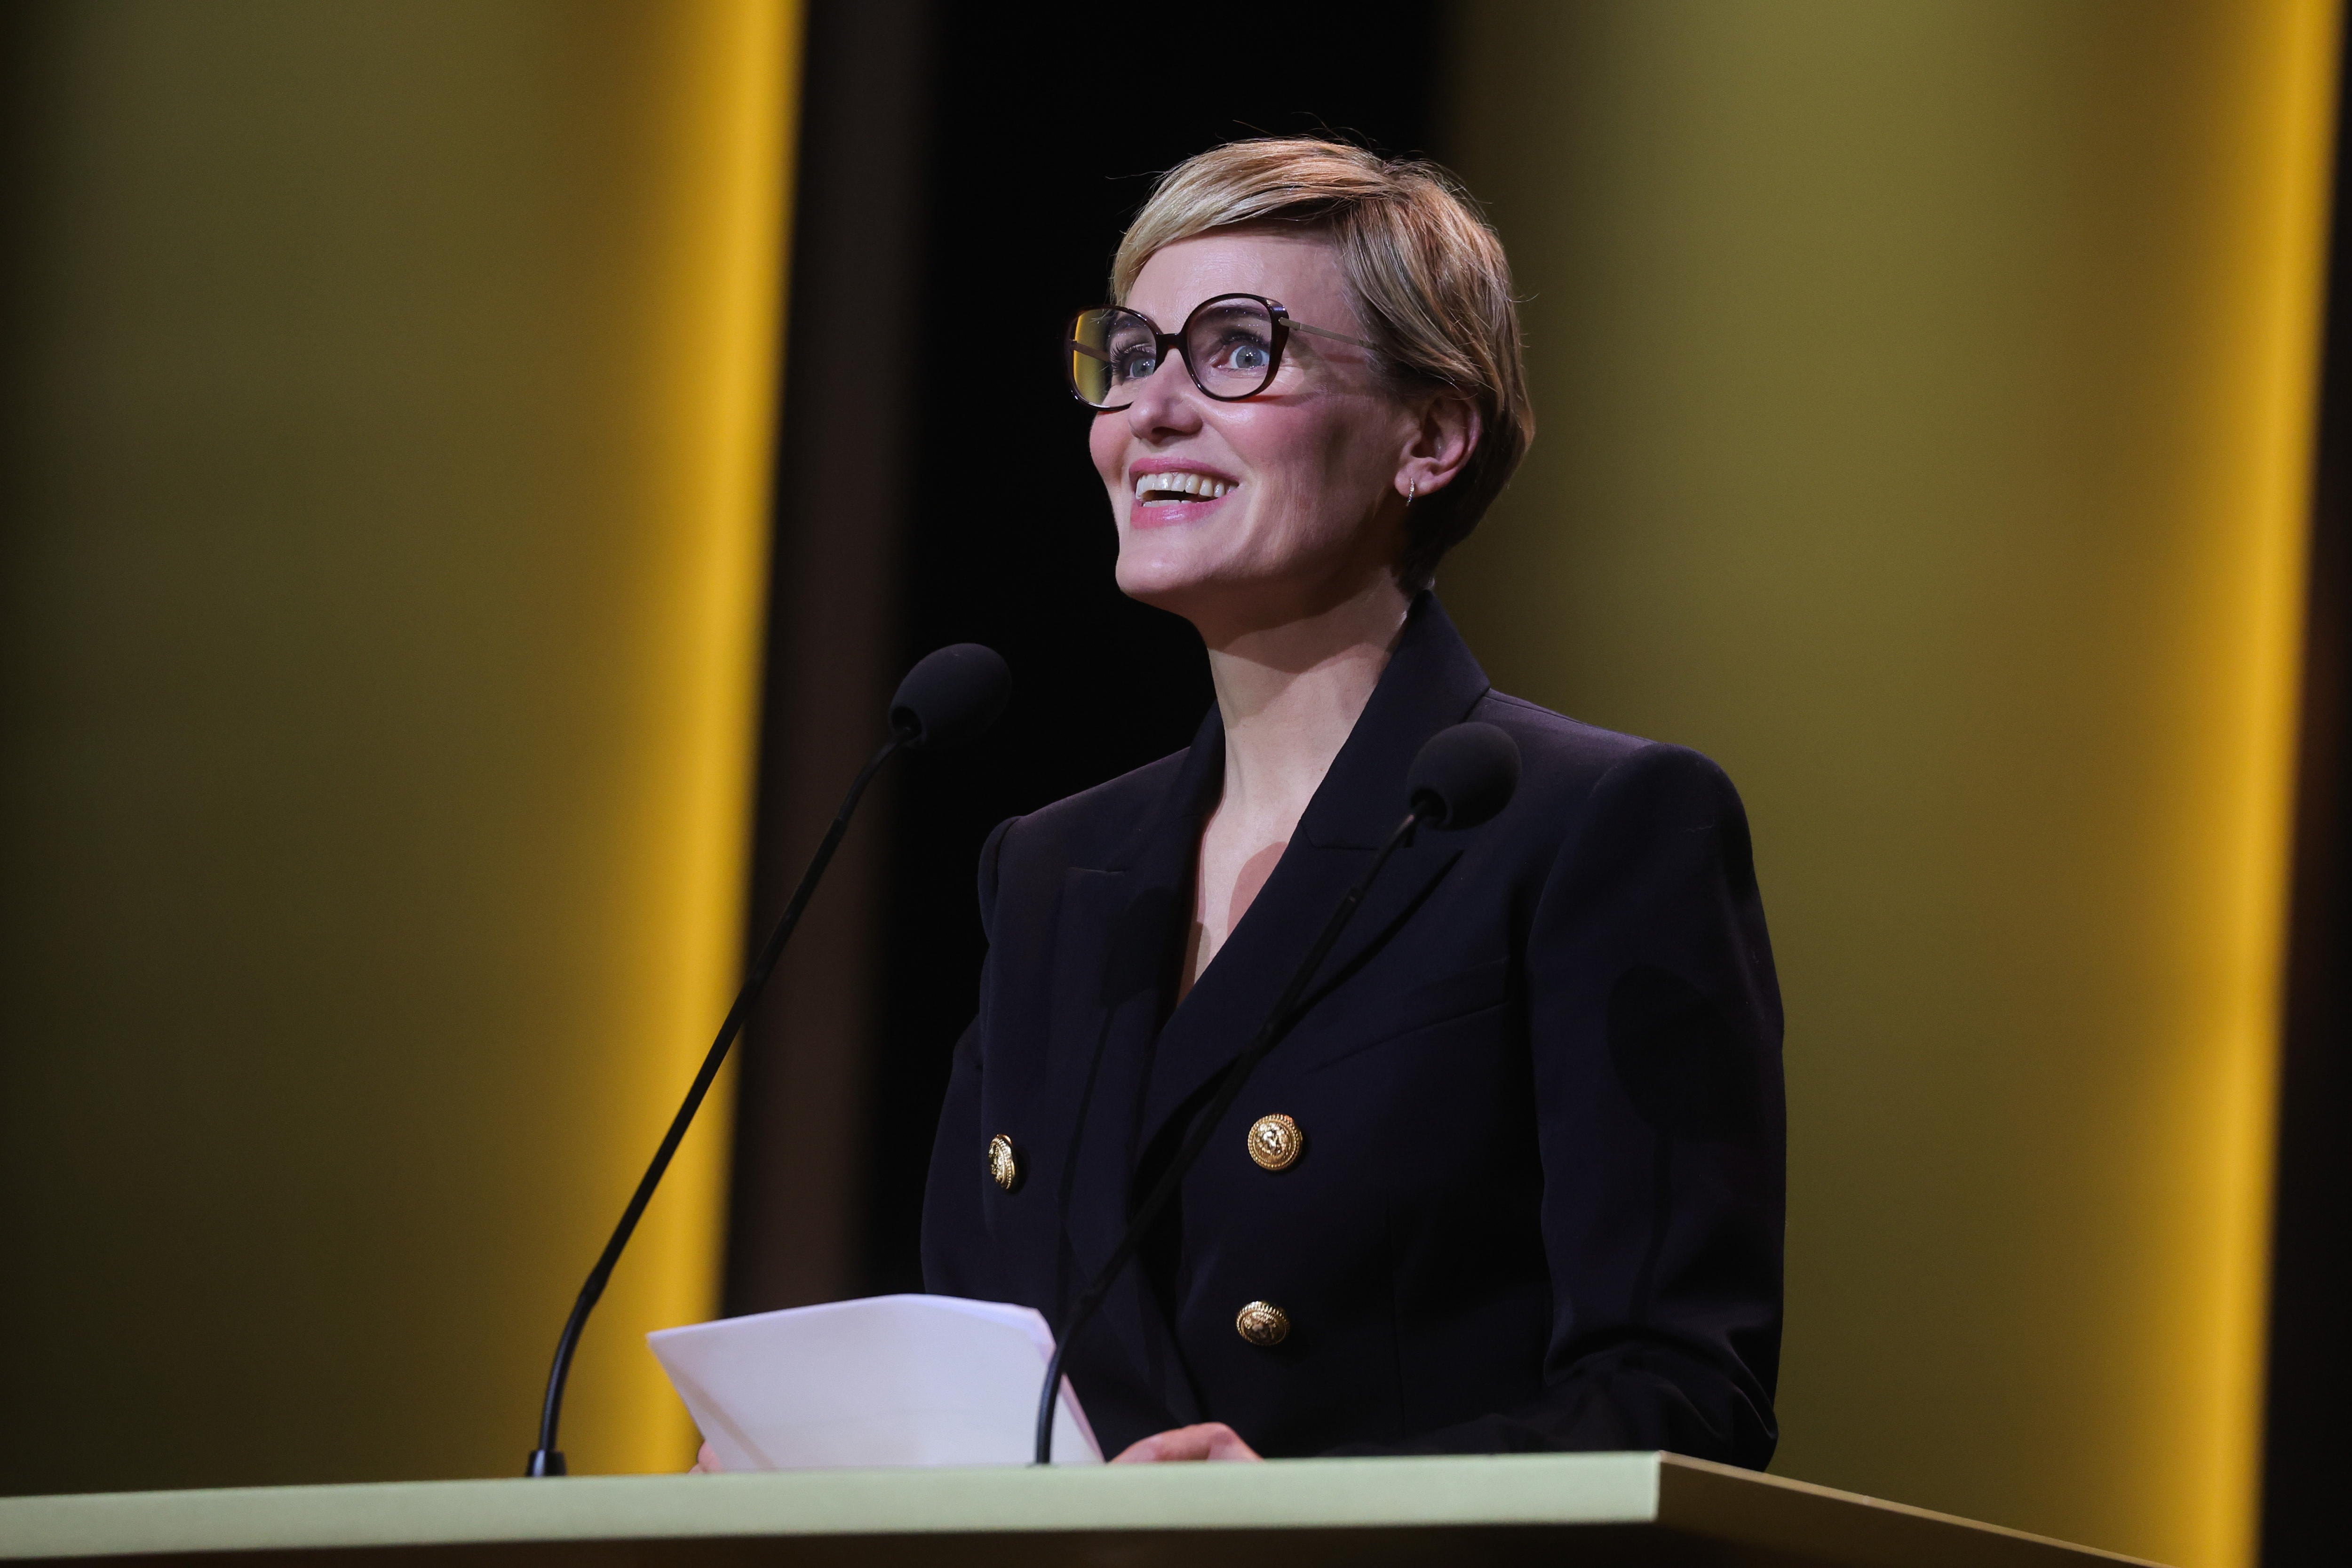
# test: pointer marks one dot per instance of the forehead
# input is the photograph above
(1301, 271)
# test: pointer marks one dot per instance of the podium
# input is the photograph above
(1598, 1509)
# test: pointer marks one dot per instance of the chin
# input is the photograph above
(1165, 585)
(1216, 600)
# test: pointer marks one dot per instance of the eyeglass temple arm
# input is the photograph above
(1298, 326)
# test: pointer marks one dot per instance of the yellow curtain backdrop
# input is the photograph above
(387, 429)
(1925, 393)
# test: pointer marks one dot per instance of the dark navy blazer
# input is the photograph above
(1539, 1206)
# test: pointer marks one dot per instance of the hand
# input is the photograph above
(706, 1463)
(1211, 1440)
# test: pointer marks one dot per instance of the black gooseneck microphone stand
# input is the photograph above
(1462, 777)
(949, 696)
(547, 1459)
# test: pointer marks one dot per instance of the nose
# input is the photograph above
(1166, 401)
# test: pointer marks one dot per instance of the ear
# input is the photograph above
(1438, 446)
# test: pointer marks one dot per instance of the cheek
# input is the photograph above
(1104, 445)
(1301, 453)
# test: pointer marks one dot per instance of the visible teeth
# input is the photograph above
(1180, 484)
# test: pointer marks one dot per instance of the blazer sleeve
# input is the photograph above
(957, 1258)
(1654, 1028)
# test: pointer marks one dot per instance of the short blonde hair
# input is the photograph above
(1428, 272)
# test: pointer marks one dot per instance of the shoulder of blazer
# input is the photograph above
(1555, 750)
(1091, 829)
(1568, 761)
(1578, 780)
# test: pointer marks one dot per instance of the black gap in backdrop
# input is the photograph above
(1047, 123)
(2307, 1441)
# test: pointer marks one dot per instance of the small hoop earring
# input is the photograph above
(1411, 488)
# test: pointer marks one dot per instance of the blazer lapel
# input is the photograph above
(1121, 941)
(1431, 682)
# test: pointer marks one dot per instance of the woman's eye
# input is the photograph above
(1243, 354)
(1137, 365)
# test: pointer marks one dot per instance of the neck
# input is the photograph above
(1290, 694)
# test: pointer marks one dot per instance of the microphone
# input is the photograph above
(951, 696)
(1462, 777)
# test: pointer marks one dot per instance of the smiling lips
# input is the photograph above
(1176, 486)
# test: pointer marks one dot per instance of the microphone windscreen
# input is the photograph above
(951, 696)
(1463, 776)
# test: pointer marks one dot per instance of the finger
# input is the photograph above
(1142, 1451)
(1181, 1444)
(1226, 1445)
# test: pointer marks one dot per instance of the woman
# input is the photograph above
(1514, 1179)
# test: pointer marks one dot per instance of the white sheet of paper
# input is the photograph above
(888, 1380)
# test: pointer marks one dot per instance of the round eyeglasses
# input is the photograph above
(1232, 346)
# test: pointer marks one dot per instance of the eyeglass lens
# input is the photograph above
(1228, 347)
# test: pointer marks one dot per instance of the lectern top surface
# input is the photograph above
(1614, 1508)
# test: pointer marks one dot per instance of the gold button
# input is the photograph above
(1276, 1142)
(1003, 1163)
(1262, 1323)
